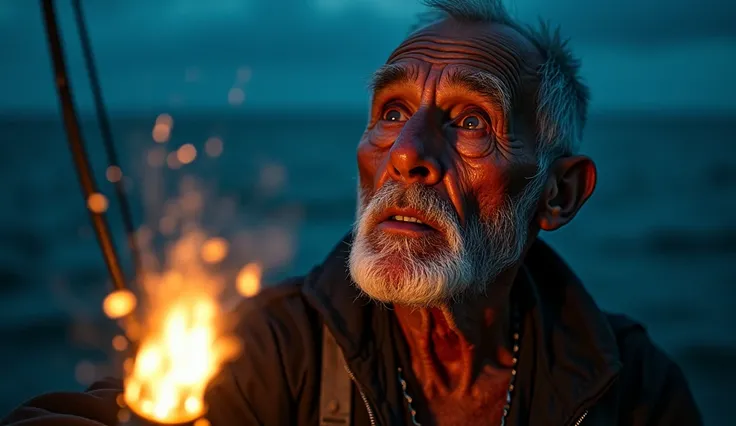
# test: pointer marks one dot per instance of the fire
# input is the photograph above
(183, 341)
(175, 364)
(177, 330)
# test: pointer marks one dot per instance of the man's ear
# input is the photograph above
(570, 184)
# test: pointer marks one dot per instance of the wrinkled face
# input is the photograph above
(447, 166)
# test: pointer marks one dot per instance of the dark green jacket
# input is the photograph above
(577, 364)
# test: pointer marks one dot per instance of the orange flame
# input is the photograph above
(179, 332)
(184, 342)
(175, 363)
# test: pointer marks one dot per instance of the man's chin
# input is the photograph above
(392, 290)
(407, 248)
(400, 276)
(390, 271)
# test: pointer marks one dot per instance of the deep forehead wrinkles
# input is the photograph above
(394, 73)
(496, 53)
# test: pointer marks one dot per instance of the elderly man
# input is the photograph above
(456, 314)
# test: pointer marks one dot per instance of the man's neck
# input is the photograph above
(452, 345)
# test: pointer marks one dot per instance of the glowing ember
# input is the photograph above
(161, 132)
(186, 153)
(214, 250)
(97, 203)
(165, 119)
(120, 343)
(249, 280)
(162, 129)
(114, 174)
(119, 304)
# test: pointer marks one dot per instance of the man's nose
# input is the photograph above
(414, 156)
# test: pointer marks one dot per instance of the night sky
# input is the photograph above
(637, 54)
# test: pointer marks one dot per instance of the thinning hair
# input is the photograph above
(561, 96)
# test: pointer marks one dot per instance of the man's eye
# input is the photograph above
(393, 114)
(473, 122)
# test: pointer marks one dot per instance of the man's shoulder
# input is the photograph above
(279, 311)
(632, 337)
(643, 360)
(622, 325)
(650, 377)
(273, 296)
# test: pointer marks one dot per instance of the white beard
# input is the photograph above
(455, 262)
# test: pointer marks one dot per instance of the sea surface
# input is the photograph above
(657, 240)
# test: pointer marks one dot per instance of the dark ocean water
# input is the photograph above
(656, 241)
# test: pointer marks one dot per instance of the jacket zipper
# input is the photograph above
(362, 396)
(592, 401)
(580, 420)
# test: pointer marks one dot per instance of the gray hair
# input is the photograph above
(562, 97)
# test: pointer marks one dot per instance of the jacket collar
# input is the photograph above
(566, 336)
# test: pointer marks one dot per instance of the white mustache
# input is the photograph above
(425, 271)
(417, 197)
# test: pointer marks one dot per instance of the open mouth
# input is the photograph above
(405, 222)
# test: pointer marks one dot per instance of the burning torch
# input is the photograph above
(180, 346)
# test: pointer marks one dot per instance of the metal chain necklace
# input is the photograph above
(509, 392)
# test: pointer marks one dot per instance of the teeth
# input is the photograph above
(407, 219)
